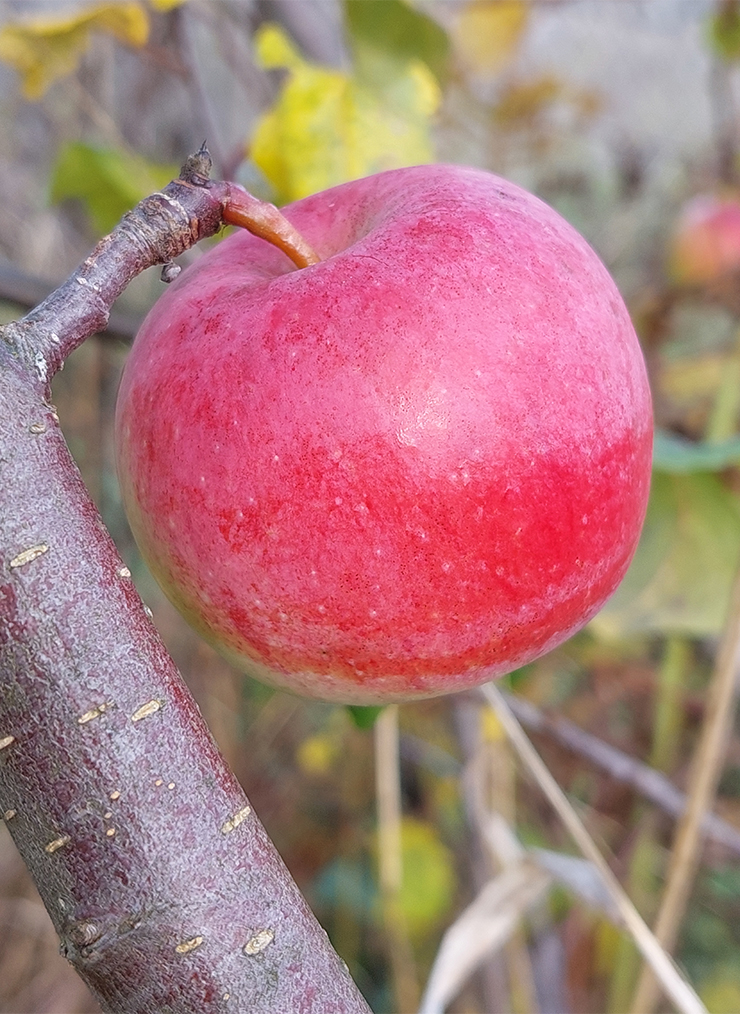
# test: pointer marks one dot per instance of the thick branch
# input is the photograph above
(163, 886)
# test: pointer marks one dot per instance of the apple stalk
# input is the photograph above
(164, 888)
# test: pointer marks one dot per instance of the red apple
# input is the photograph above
(415, 465)
(705, 247)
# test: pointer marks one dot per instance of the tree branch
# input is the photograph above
(162, 884)
(26, 291)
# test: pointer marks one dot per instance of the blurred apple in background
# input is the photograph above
(705, 247)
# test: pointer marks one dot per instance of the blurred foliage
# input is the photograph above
(429, 881)
(107, 181)
(677, 454)
(328, 127)
(487, 33)
(364, 717)
(121, 92)
(387, 35)
(724, 33)
(681, 577)
(45, 49)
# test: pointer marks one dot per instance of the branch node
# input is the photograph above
(170, 271)
(197, 168)
(84, 933)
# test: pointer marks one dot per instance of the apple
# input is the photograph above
(705, 246)
(398, 472)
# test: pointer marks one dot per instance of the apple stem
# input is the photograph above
(264, 220)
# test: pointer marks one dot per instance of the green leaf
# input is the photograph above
(724, 31)
(680, 579)
(108, 182)
(364, 717)
(393, 29)
(724, 883)
(348, 884)
(678, 455)
(327, 127)
(720, 992)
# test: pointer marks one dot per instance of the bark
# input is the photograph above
(163, 886)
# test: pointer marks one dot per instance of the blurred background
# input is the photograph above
(625, 116)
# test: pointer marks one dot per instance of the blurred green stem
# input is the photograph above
(669, 710)
(642, 887)
(723, 420)
(390, 859)
(642, 883)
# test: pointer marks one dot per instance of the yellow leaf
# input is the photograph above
(44, 49)
(607, 938)
(316, 754)
(487, 33)
(327, 127)
(274, 49)
(166, 5)
(491, 727)
(428, 884)
(721, 991)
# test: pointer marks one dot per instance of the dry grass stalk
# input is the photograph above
(675, 986)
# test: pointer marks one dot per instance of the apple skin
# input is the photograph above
(416, 465)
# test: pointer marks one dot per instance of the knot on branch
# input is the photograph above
(197, 167)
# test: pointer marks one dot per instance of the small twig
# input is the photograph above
(99, 116)
(651, 784)
(388, 793)
(157, 230)
(480, 855)
(673, 982)
(705, 774)
(27, 291)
